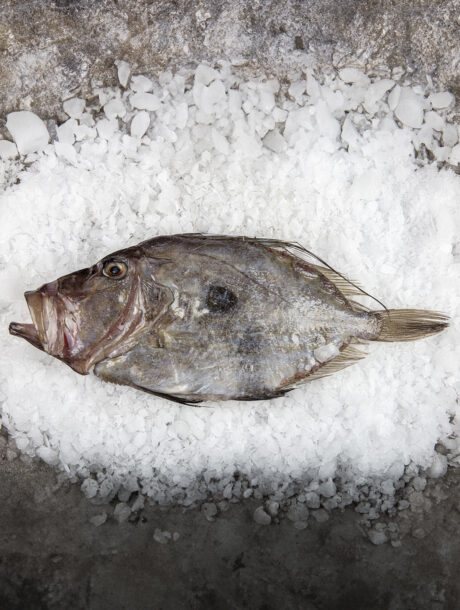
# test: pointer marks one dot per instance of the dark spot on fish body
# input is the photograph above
(249, 342)
(220, 299)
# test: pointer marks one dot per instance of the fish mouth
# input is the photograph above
(46, 331)
(54, 327)
(27, 332)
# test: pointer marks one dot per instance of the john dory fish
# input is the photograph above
(197, 317)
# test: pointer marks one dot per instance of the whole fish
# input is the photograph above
(199, 317)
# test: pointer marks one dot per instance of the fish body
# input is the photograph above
(197, 318)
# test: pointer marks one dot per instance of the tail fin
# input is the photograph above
(410, 324)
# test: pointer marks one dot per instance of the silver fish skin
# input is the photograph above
(204, 318)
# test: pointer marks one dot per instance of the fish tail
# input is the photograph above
(409, 324)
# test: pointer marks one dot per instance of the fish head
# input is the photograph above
(94, 313)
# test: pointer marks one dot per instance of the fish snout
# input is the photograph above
(47, 290)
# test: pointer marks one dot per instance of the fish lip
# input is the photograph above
(49, 330)
(27, 332)
(46, 330)
(34, 300)
(33, 333)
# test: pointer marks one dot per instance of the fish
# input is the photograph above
(197, 317)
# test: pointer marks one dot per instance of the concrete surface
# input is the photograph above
(51, 49)
(51, 557)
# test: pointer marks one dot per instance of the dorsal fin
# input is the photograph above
(347, 287)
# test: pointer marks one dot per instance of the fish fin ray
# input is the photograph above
(345, 285)
(178, 399)
(267, 396)
(410, 324)
(182, 401)
(348, 356)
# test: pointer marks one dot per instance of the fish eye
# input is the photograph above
(115, 269)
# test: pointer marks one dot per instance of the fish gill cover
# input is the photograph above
(358, 168)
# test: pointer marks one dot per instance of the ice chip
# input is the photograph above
(114, 108)
(47, 454)
(209, 509)
(145, 101)
(274, 141)
(8, 150)
(353, 75)
(90, 487)
(141, 84)
(450, 135)
(122, 512)
(28, 130)
(123, 71)
(375, 92)
(106, 129)
(443, 99)
(205, 74)
(393, 97)
(454, 156)
(409, 109)
(326, 352)
(66, 131)
(261, 517)
(433, 120)
(98, 520)
(438, 467)
(140, 124)
(377, 537)
(74, 107)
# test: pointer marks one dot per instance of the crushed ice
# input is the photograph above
(358, 169)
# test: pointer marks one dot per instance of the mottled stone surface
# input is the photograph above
(51, 49)
(51, 556)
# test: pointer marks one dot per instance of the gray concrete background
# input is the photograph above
(52, 48)
(51, 557)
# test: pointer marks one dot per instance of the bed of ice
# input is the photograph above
(358, 168)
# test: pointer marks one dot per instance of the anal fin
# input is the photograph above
(178, 399)
(348, 356)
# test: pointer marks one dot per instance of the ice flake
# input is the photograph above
(122, 512)
(98, 520)
(326, 352)
(140, 124)
(114, 108)
(454, 156)
(205, 74)
(409, 109)
(433, 120)
(275, 141)
(141, 84)
(8, 150)
(145, 101)
(353, 75)
(123, 71)
(443, 99)
(28, 130)
(375, 92)
(74, 107)
(261, 517)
